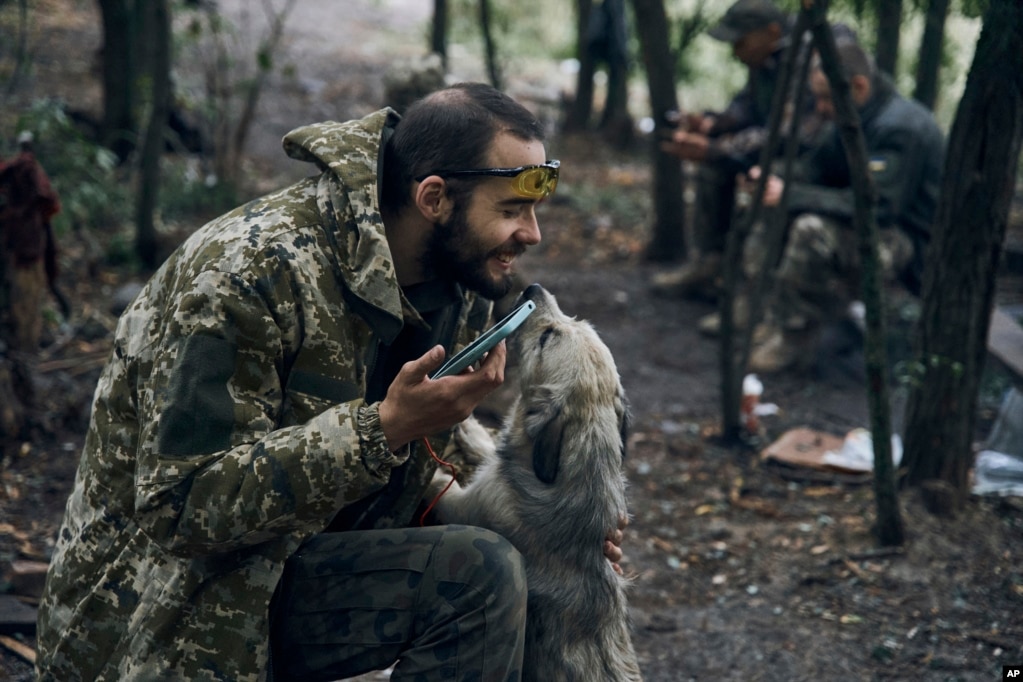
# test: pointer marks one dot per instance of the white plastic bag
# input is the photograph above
(857, 451)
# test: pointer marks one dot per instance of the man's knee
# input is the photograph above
(481, 559)
(471, 610)
(808, 229)
(812, 244)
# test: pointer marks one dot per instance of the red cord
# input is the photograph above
(454, 472)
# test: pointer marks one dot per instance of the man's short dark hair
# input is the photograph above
(854, 60)
(451, 128)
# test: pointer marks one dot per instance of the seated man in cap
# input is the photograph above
(728, 143)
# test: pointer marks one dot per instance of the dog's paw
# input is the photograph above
(440, 481)
(475, 442)
(440, 497)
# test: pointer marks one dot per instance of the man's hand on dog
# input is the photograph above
(416, 406)
(613, 545)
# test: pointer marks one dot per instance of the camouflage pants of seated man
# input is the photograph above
(820, 270)
(445, 602)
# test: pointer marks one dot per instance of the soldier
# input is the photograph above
(728, 143)
(819, 275)
(259, 432)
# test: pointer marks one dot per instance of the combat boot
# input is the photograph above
(710, 325)
(781, 350)
(695, 279)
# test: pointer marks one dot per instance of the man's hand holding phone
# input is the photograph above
(416, 405)
(427, 397)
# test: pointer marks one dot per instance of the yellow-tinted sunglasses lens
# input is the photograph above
(536, 183)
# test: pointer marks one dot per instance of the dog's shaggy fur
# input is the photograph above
(555, 488)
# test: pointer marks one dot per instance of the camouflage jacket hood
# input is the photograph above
(230, 424)
(350, 175)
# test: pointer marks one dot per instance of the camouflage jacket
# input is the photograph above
(230, 424)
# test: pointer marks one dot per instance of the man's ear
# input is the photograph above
(432, 200)
(860, 87)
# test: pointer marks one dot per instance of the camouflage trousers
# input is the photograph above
(820, 270)
(445, 602)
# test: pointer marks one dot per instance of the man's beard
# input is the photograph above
(454, 253)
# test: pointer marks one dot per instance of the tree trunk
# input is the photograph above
(795, 65)
(21, 57)
(252, 89)
(439, 32)
(962, 260)
(668, 242)
(11, 410)
(159, 40)
(489, 47)
(119, 125)
(889, 529)
(615, 122)
(929, 65)
(581, 109)
(889, 26)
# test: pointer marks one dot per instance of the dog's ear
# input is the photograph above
(544, 425)
(547, 450)
(626, 424)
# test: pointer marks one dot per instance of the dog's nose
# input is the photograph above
(531, 293)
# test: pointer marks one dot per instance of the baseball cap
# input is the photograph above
(745, 16)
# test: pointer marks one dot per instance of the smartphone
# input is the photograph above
(487, 340)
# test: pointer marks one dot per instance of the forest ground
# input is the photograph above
(741, 570)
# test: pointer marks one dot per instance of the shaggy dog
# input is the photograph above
(554, 487)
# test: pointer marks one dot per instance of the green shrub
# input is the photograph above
(189, 194)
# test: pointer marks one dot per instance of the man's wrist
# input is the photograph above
(376, 453)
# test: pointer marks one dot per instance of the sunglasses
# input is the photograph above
(531, 182)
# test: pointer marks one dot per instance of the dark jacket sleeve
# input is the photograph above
(896, 161)
(737, 115)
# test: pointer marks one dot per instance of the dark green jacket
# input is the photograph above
(906, 157)
(230, 424)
